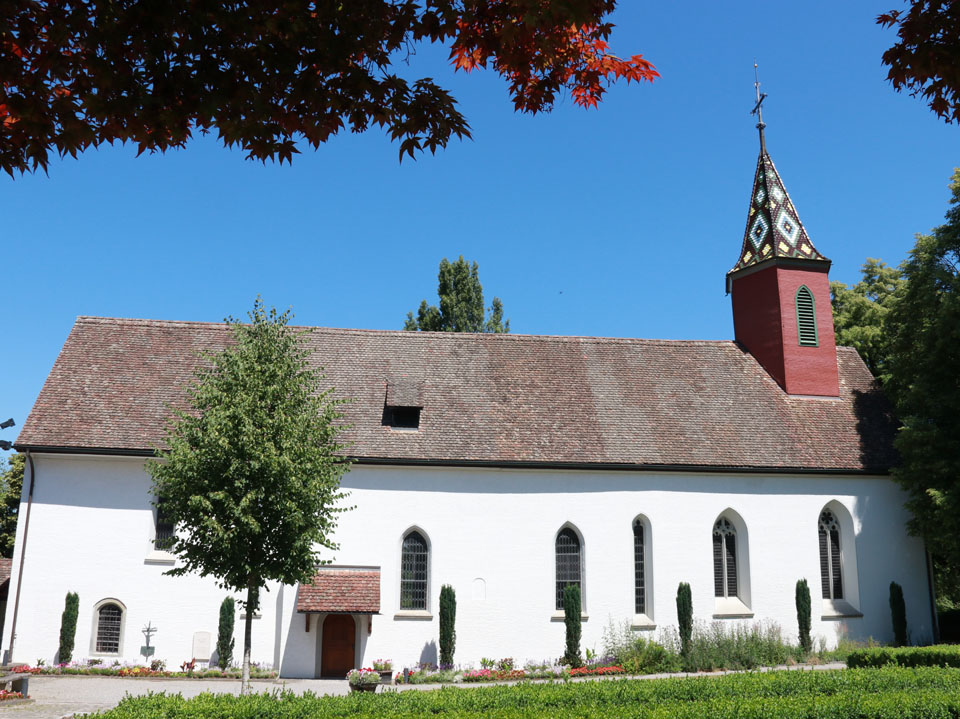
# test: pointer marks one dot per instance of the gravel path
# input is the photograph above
(56, 697)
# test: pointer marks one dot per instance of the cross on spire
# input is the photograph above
(758, 108)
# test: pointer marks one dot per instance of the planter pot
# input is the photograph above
(363, 687)
(386, 676)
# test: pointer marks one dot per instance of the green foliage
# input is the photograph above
(939, 655)
(732, 646)
(461, 304)
(448, 620)
(886, 693)
(68, 627)
(684, 616)
(252, 470)
(11, 486)
(898, 613)
(225, 633)
(571, 620)
(859, 312)
(803, 615)
(635, 653)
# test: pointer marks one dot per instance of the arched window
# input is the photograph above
(831, 579)
(724, 559)
(639, 578)
(568, 563)
(108, 619)
(413, 571)
(806, 317)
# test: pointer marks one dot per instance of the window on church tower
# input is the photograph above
(806, 317)
(414, 561)
(569, 563)
(831, 579)
(724, 559)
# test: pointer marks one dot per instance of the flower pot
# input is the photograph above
(363, 687)
(386, 676)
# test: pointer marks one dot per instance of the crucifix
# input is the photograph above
(148, 631)
(758, 108)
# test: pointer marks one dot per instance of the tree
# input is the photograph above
(264, 74)
(859, 312)
(448, 624)
(924, 60)
(802, 598)
(684, 616)
(923, 329)
(11, 486)
(461, 304)
(251, 475)
(571, 619)
(898, 615)
(68, 627)
(225, 633)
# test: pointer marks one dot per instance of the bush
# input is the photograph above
(898, 613)
(684, 615)
(225, 633)
(571, 618)
(635, 653)
(448, 618)
(68, 627)
(939, 655)
(803, 615)
(733, 646)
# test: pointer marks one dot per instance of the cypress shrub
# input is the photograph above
(448, 619)
(898, 612)
(684, 616)
(225, 633)
(571, 618)
(803, 615)
(68, 627)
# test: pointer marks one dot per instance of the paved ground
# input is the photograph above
(56, 697)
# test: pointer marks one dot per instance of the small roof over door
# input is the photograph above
(353, 590)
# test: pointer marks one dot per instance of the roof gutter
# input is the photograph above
(23, 553)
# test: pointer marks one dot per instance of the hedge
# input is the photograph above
(923, 693)
(940, 655)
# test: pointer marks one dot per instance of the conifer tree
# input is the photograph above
(225, 633)
(803, 615)
(461, 304)
(448, 619)
(68, 627)
(571, 620)
(684, 616)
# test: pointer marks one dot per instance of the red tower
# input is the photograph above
(780, 292)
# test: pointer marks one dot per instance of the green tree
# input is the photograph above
(898, 615)
(225, 633)
(265, 75)
(11, 485)
(461, 303)
(252, 471)
(684, 616)
(923, 329)
(572, 621)
(803, 615)
(68, 627)
(448, 624)
(859, 312)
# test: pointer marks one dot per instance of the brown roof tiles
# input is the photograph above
(337, 589)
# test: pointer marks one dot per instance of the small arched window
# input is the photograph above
(831, 579)
(108, 627)
(639, 578)
(568, 563)
(806, 317)
(413, 571)
(724, 559)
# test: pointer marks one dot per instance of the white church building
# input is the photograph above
(507, 466)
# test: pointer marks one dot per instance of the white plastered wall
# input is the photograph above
(491, 535)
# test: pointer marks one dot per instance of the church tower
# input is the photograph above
(780, 291)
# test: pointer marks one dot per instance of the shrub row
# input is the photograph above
(942, 655)
(923, 693)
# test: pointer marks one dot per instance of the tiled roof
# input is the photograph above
(338, 589)
(497, 399)
(5, 565)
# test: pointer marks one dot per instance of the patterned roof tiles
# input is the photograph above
(339, 589)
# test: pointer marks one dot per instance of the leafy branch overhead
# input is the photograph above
(264, 75)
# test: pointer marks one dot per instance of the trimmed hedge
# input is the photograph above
(939, 655)
(886, 693)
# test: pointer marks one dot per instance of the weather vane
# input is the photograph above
(758, 108)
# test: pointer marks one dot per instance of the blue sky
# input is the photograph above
(620, 221)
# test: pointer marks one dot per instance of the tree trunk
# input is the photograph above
(252, 604)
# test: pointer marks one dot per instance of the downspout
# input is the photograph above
(23, 552)
(933, 598)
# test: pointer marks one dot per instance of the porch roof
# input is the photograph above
(354, 590)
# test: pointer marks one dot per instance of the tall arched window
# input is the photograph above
(639, 578)
(724, 559)
(831, 579)
(108, 619)
(413, 571)
(568, 563)
(806, 317)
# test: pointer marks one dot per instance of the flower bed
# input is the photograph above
(494, 675)
(139, 671)
(596, 671)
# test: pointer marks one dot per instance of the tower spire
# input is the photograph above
(758, 109)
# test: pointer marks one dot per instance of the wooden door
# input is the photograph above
(338, 653)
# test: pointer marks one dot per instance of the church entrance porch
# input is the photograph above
(338, 646)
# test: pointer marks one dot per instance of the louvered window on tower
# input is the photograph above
(831, 580)
(724, 559)
(806, 317)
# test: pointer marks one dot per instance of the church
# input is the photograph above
(509, 467)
